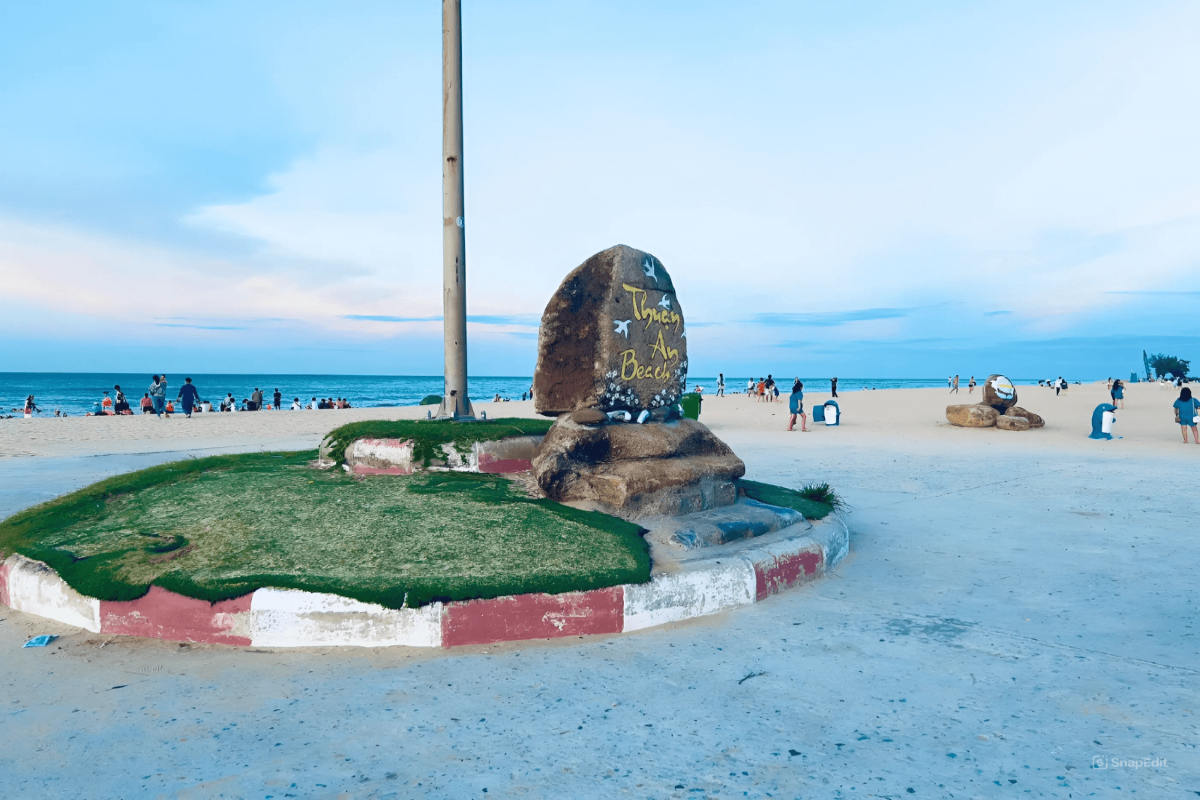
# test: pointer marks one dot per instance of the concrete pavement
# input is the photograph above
(1007, 624)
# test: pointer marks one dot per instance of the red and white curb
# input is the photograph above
(292, 618)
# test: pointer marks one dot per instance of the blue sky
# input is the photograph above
(875, 189)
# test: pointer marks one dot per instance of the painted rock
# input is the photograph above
(972, 416)
(1006, 422)
(1035, 421)
(612, 338)
(589, 416)
(999, 393)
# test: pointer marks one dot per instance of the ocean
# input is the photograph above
(74, 393)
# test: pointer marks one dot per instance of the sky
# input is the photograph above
(874, 189)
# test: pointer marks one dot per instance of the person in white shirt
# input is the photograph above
(314, 404)
(296, 405)
(750, 386)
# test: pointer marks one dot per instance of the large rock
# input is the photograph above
(999, 393)
(972, 416)
(1006, 422)
(637, 471)
(612, 338)
(1034, 420)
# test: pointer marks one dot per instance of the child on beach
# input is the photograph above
(796, 407)
(1185, 413)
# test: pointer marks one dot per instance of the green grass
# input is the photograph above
(220, 527)
(429, 436)
(814, 501)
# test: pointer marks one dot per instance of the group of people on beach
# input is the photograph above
(156, 401)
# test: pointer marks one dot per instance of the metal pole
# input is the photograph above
(455, 402)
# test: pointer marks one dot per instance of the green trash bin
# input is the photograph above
(691, 405)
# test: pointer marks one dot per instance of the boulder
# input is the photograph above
(999, 393)
(972, 416)
(589, 416)
(1034, 420)
(612, 338)
(1006, 422)
(636, 471)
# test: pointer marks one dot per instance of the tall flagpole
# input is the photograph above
(455, 402)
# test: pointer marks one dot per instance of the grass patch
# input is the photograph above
(429, 436)
(814, 500)
(220, 527)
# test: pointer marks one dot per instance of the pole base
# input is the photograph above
(448, 412)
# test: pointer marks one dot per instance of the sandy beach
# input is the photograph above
(893, 418)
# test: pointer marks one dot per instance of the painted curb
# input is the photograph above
(293, 618)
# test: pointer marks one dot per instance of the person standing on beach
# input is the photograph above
(31, 406)
(278, 398)
(770, 387)
(256, 398)
(188, 397)
(158, 395)
(1058, 385)
(954, 385)
(833, 386)
(121, 405)
(796, 407)
(720, 384)
(1185, 410)
(1118, 393)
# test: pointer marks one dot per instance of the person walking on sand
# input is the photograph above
(1118, 393)
(188, 397)
(833, 387)
(158, 395)
(1058, 385)
(31, 407)
(1185, 412)
(278, 398)
(971, 385)
(720, 385)
(954, 385)
(796, 407)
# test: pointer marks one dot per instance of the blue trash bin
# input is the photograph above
(831, 413)
(818, 413)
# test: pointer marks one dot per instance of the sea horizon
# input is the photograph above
(75, 393)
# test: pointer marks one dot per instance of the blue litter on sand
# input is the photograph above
(39, 641)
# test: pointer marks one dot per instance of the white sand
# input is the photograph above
(911, 419)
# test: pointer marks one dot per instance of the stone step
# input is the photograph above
(745, 519)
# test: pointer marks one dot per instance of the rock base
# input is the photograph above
(638, 471)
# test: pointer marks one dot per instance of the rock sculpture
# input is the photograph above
(997, 408)
(1034, 420)
(1006, 422)
(612, 338)
(999, 393)
(612, 366)
(972, 416)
